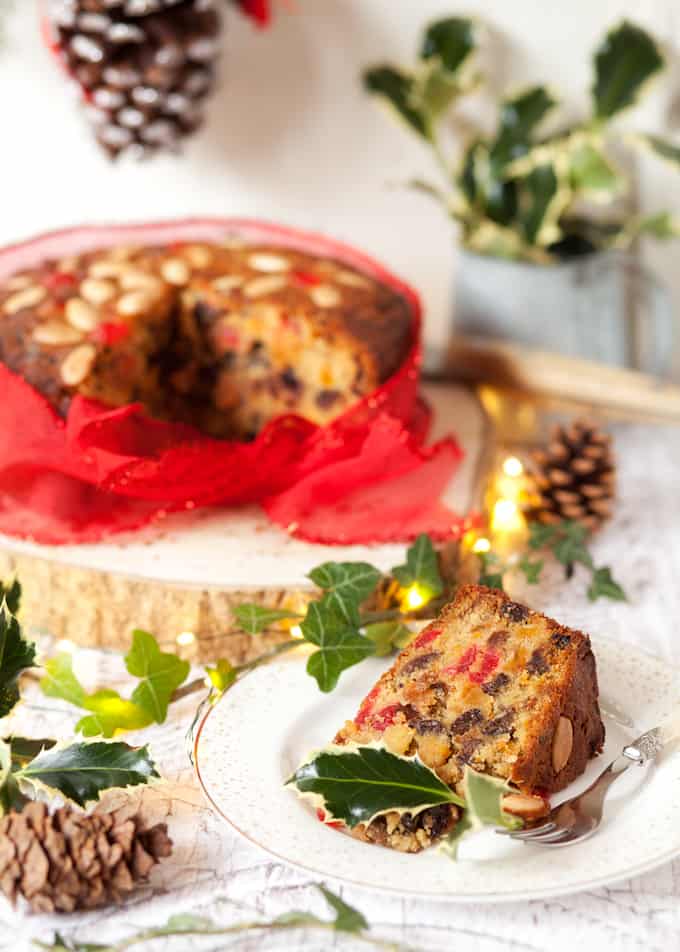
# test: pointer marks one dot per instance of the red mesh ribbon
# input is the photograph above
(366, 477)
(258, 10)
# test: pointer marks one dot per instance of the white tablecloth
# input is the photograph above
(212, 871)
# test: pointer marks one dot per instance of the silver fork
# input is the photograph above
(580, 816)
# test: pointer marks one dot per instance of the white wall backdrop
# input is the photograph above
(291, 137)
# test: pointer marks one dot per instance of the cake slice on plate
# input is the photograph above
(491, 684)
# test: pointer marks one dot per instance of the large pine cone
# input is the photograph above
(71, 860)
(574, 476)
(145, 66)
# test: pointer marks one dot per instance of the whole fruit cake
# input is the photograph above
(222, 336)
(491, 684)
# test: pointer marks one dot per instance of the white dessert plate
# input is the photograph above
(261, 730)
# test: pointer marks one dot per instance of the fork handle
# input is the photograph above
(652, 742)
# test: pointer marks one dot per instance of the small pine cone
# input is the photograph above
(69, 860)
(145, 67)
(574, 476)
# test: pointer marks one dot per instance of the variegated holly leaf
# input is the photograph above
(255, 618)
(340, 645)
(16, 654)
(396, 88)
(347, 585)
(356, 783)
(543, 198)
(11, 592)
(519, 119)
(666, 150)
(445, 73)
(627, 58)
(452, 41)
(661, 225)
(161, 674)
(82, 771)
(483, 807)
(421, 569)
(591, 173)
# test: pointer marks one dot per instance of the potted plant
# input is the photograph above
(545, 239)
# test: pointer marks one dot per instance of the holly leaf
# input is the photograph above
(666, 150)
(519, 119)
(223, 675)
(255, 618)
(451, 40)
(396, 88)
(602, 585)
(340, 644)
(161, 674)
(483, 800)
(542, 198)
(346, 585)
(451, 842)
(82, 771)
(388, 636)
(531, 568)
(347, 918)
(627, 58)
(357, 783)
(661, 225)
(12, 595)
(16, 654)
(592, 174)
(421, 568)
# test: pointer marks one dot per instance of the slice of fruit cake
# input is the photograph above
(491, 684)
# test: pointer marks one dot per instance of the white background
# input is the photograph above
(291, 136)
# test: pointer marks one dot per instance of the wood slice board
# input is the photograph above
(186, 575)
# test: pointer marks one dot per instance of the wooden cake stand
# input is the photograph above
(184, 577)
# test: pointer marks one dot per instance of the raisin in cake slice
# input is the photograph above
(491, 684)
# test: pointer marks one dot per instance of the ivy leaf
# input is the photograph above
(421, 568)
(255, 618)
(12, 595)
(16, 654)
(357, 783)
(346, 584)
(111, 714)
(570, 545)
(61, 682)
(603, 585)
(341, 645)
(396, 88)
(531, 568)
(223, 675)
(347, 918)
(84, 770)
(627, 58)
(161, 674)
(388, 636)
(541, 535)
(519, 118)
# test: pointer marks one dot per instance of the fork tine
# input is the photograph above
(552, 837)
(529, 833)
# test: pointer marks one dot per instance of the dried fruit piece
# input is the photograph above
(81, 315)
(97, 291)
(31, 296)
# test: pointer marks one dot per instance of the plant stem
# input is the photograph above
(268, 655)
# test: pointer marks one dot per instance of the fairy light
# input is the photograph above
(65, 645)
(513, 467)
(413, 597)
(481, 545)
(296, 631)
(506, 516)
(185, 638)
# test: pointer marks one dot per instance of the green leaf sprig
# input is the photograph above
(16, 652)
(345, 919)
(336, 623)
(519, 192)
(160, 674)
(567, 542)
(356, 783)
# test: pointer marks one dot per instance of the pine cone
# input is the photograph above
(145, 67)
(574, 476)
(71, 860)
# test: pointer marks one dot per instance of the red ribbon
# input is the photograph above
(366, 477)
